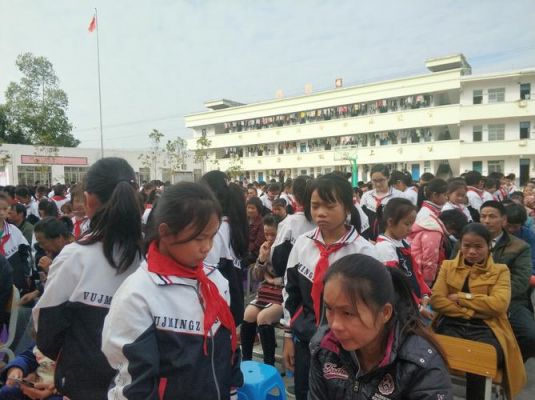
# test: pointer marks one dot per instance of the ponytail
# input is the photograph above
(355, 219)
(239, 227)
(117, 223)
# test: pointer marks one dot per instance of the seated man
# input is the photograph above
(516, 254)
(516, 218)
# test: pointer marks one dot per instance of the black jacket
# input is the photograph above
(411, 370)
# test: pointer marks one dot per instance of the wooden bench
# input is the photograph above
(467, 356)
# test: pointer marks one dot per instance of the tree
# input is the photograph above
(201, 152)
(175, 155)
(151, 159)
(36, 108)
(235, 169)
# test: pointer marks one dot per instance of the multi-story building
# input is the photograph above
(445, 122)
(25, 164)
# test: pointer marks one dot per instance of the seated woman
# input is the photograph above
(375, 343)
(471, 296)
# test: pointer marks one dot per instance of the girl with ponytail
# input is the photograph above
(374, 342)
(231, 242)
(84, 277)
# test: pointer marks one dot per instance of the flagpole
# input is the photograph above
(99, 91)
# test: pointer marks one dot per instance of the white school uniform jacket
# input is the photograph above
(222, 257)
(475, 197)
(70, 315)
(411, 194)
(428, 208)
(371, 202)
(154, 335)
(461, 207)
(16, 249)
(300, 275)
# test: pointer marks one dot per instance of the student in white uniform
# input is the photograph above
(433, 199)
(457, 197)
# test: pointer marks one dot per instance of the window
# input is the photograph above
(478, 96)
(74, 174)
(29, 175)
(304, 172)
(525, 91)
(496, 132)
(477, 166)
(495, 166)
(497, 95)
(427, 166)
(303, 148)
(144, 175)
(524, 130)
(477, 132)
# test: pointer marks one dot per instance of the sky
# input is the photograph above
(162, 59)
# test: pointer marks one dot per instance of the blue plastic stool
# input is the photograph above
(259, 380)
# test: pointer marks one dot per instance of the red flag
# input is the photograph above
(92, 24)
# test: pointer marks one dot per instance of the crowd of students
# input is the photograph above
(139, 293)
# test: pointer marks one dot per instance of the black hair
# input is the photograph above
(517, 194)
(271, 220)
(288, 183)
(381, 168)
(117, 223)
(366, 280)
(427, 177)
(230, 197)
(477, 229)
(53, 228)
(333, 188)
(180, 206)
(41, 189)
(435, 185)
(399, 176)
(491, 183)
(494, 204)
(511, 176)
(10, 191)
(454, 220)
(49, 208)
(19, 209)
(473, 178)
(22, 191)
(273, 187)
(455, 184)
(59, 189)
(516, 214)
(279, 203)
(495, 175)
(397, 209)
(255, 201)
(299, 188)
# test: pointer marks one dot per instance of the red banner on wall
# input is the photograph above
(53, 160)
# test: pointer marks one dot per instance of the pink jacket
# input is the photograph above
(427, 244)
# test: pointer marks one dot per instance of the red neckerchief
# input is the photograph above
(503, 192)
(298, 208)
(78, 227)
(215, 306)
(5, 237)
(477, 191)
(435, 210)
(379, 200)
(58, 198)
(148, 206)
(319, 273)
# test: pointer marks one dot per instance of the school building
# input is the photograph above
(447, 121)
(26, 164)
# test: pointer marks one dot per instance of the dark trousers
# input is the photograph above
(523, 324)
(302, 369)
(479, 332)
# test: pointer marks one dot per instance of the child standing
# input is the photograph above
(266, 308)
(374, 200)
(170, 332)
(329, 202)
(83, 279)
(394, 251)
(457, 198)
(433, 199)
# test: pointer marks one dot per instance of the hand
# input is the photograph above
(44, 263)
(263, 254)
(14, 373)
(269, 280)
(29, 297)
(289, 353)
(40, 391)
(427, 313)
(453, 297)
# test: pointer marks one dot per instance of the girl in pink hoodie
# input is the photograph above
(431, 241)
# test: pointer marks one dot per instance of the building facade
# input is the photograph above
(25, 164)
(446, 122)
